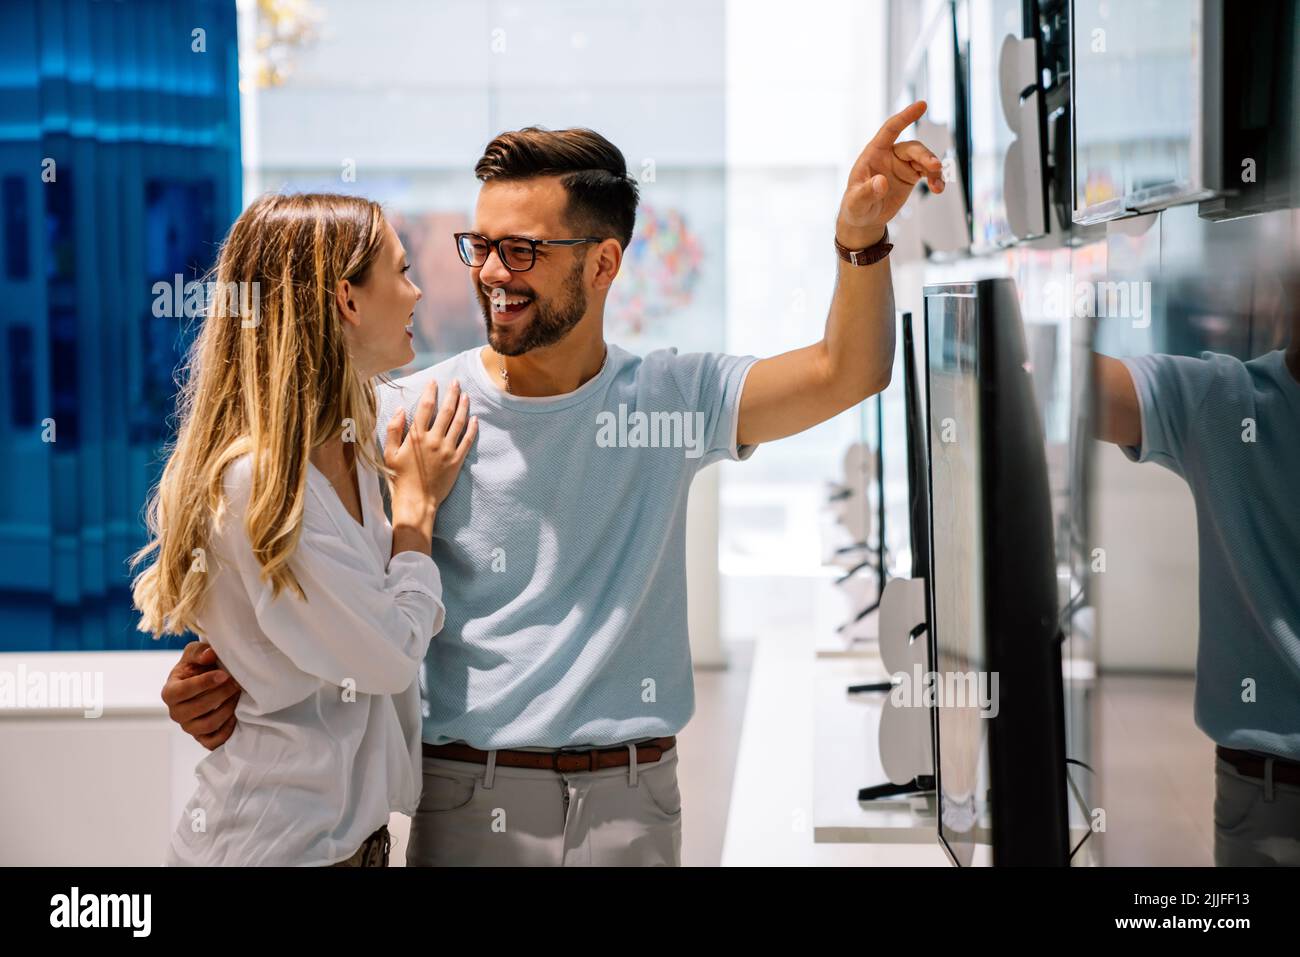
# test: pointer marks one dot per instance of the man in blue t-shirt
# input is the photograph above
(553, 694)
(1231, 429)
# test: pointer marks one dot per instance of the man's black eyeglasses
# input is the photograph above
(517, 253)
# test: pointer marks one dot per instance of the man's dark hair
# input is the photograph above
(602, 196)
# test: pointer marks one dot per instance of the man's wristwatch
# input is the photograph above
(867, 256)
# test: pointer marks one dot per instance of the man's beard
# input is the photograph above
(550, 322)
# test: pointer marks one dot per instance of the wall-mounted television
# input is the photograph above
(1016, 57)
(1141, 75)
(1253, 129)
(982, 26)
(934, 71)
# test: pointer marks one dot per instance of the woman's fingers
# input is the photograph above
(467, 439)
(458, 422)
(447, 410)
(424, 411)
(393, 434)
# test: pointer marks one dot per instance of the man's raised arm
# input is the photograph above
(798, 389)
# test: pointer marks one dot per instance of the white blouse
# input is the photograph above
(327, 740)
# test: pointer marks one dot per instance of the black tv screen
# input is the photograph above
(907, 525)
(1253, 126)
(995, 651)
(918, 492)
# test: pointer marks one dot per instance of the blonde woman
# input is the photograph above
(271, 540)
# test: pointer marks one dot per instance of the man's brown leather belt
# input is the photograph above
(1252, 765)
(563, 761)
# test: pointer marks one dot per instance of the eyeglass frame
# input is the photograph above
(534, 243)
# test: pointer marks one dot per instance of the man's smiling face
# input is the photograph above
(540, 306)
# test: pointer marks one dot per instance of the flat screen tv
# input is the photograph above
(1253, 130)
(1141, 76)
(994, 632)
(983, 25)
(934, 71)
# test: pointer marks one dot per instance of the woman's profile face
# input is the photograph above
(381, 314)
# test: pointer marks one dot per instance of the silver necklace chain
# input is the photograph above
(505, 376)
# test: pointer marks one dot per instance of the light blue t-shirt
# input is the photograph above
(1232, 430)
(562, 551)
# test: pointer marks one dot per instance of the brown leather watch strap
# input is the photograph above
(867, 256)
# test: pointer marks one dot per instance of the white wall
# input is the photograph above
(94, 791)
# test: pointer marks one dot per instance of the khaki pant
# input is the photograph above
(473, 814)
(1256, 822)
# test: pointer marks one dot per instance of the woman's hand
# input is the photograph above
(426, 462)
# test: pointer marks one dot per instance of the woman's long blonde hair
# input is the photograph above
(269, 374)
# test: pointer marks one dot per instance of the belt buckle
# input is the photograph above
(590, 752)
